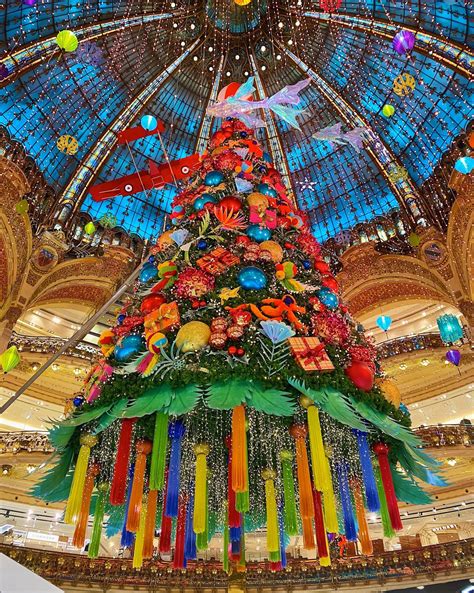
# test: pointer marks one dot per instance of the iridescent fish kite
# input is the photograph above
(241, 106)
(334, 135)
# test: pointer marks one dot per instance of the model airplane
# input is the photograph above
(156, 178)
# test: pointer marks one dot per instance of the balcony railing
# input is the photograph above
(50, 345)
(407, 344)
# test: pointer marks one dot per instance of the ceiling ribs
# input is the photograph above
(205, 129)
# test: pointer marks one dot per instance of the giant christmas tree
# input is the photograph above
(235, 391)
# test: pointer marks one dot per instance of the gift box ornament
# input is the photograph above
(310, 354)
(217, 261)
(163, 318)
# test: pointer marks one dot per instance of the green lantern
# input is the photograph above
(21, 207)
(67, 40)
(89, 228)
(10, 359)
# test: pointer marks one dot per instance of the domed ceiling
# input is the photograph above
(170, 59)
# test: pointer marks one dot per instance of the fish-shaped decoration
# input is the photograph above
(335, 136)
(242, 107)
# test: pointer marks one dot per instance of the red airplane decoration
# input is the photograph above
(157, 177)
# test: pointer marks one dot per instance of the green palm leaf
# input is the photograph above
(269, 401)
(154, 400)
(319, 397)
(339, 408)
(225, 396)
(184, 399)
(111, 415)
(55, 483)
(407, 490)
(60, 435)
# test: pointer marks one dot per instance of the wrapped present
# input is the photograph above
(310, 354)
(217, 261)
(163, 318)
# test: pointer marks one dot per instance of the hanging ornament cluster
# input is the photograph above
(235, 391)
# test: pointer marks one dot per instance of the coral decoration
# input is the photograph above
(226, 338)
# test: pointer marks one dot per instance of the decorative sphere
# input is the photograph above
(213, 178)
(275, 250)
(266, 190)
(252, 278)
(155, 342)
(307, 264)
(361, 375)
(89, 229)
(328, 298)
(148, 272)
(128, 347)
(231, 203)
(120, 318)
(388, 110)
(78, 401)
(148, 122)
(151, 303)
(390, 391)
(193, 336)
(202, 244)
(200, 202)
(258, 233)
(258, 200)
(403, 41)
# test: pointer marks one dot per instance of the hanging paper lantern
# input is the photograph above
(89, 228)
(21, 207)
(384, 322)
(9, 359)
(148, 123)
(403, 41)
(414, 240)
(67, 40)
(404, 84)
(453, 356)
(330, 5)
(464, 165)
(388, 110)
(450, 329)
(67, 144)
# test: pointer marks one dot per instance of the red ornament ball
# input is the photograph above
(151, 303)
(242, 318)
(322, 266)
(217, 340)
(240, 352)
(361, 375)
(242, 240)
(330, 282)
(231, 203)
(232, 350)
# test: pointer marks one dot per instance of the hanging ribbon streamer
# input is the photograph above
(152, 503)
(346, 503)
(202, 538)
(329, 505)
(299, 432)
(74, 501)
(273, 537)
(119, 480)
(140, 539)
(94, 544)
(175, 432)
(79, 537)
(158, 454)
(321, 536)
(381, 450)
(143, 449)
(281, 526)
(234, 536)
(128, 537)
(242, 565)
(308, 533)
(371, 494)
(242, 502)
(225, 553)
(166, 524)
(233, 513)
(321, 475)
(239, 451)
(190, 550)
(388, 530)
(199, 517)
(179, 560)
(364, 537)
(290, 517)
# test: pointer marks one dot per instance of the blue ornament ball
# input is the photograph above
(78, 401)
(328, 298)
(213, 178)
(151, 259)
(404, 409)
(258, 233)
(202, 244)
(252, 278)
(243, 134)
(267, 158)
(149, 272)
(266, 190)
(128, 347)
(120, 318)
(200, 202)
(307, 265)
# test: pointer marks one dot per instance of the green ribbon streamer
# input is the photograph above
(290, 517)
(388, 530)
(158, 454)
(225, 556)
(97, 525)
(274, 556)
(202, 539)
(242, 501)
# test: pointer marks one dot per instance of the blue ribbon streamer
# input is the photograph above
(371, 493)
(176, 433)
(346, 503)
(127, 539)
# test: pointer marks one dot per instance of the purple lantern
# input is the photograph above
(403, 41)
(453, 356)
(4, 72)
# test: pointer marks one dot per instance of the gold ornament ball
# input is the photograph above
(390, 391)
(193, 336)
(268, 474)
(242, 2)
(275, 250)
(306, 401)
(201, 449)
(258, 200)
(88, 440)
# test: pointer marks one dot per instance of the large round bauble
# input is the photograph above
(151, 303)
(128, 347)
(322, 266)
(257, 200)
(165, 240)
(148, 272)
(274, 248)
(258, 233)
(193, 336)
(213, 178)
(330, 282)
(155, 342)
(390, 391)
(361, 375)
(200, 202)
(327, 298)
(266, 190)
(231, 203)
(252, 278)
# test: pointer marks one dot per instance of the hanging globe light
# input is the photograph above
(148, 123)
(450, 329)
(403, 42)
(388, 110)
(453, 356)
(384, 322)
(67, 40)
(464, 165)
(10, 359)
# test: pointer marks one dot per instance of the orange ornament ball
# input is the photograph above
(165, 240)
(258, 200)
